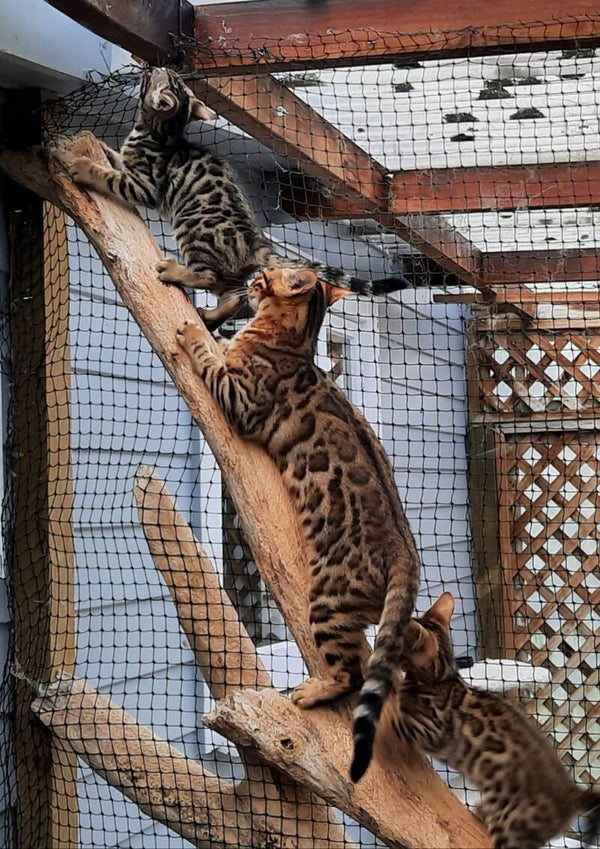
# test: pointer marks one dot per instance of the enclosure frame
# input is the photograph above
(361, 189)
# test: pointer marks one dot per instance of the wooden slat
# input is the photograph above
(438, 240)
(539, 266)
(142, 26)
(269, 35)
(43, 568)
(548, 186)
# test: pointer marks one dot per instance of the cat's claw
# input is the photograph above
(79, 167)
(168, 271)
(189, 334)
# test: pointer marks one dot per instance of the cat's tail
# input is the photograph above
(383, 667)
(590, 806)
(381, 286)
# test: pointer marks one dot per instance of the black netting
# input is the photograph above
(482, 382)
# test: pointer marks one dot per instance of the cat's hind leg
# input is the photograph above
(339, 634)
(171, 271)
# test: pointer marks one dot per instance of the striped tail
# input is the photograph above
(383, 666)
(366, 716)
(381, 286)
(591, 808)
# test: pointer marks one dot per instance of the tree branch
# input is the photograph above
(165, 784)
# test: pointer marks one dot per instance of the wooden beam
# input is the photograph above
(578, 299)
(43, 568)
(142, 26)
(268, 35)
(549, 186)
(275, 116)
(539, 266)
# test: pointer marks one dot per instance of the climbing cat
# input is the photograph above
(216, 233)
(363, 560)
(527, 795)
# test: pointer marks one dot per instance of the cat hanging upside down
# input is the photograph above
(527, 795)
(363, 560)
(198, 192)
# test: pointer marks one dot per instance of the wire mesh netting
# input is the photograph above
(482, 382)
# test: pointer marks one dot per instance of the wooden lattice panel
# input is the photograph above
(530, 371)
(551, 541)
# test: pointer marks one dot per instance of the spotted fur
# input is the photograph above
(527, 795)
(363, 560)
(199, 193)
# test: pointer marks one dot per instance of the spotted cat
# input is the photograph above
(363, 560)
(217, 235)
(527, 795)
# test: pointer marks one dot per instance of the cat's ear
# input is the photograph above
(335, 293)
(200, 112)
(441, 611)
(299, 281)
(415, 636)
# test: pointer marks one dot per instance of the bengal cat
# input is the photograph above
(199, 193)
(363, 560)
(527, 795)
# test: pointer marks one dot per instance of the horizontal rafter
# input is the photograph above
(270, 35)
(544, 186)
(539, 266)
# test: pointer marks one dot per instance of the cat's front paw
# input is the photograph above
(190, 337)
(81, 169)
(170, 271)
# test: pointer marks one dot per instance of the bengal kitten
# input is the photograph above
(199, 193)
(527, 795)
(363, 560)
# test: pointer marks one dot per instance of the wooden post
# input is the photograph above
(43, 562)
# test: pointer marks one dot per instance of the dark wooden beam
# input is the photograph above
(539, 266)
(267, 110)
(499, 187)
(270, 35)
(144, 27)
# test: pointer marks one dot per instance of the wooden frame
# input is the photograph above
(264, 35)
(43, 566)
(271, 112)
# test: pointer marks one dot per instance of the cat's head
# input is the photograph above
(165, 97)
(428, 655)
(296, 284)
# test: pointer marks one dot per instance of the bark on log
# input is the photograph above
(166, 785)
(228, 660)
(224, 652)
(427, 813)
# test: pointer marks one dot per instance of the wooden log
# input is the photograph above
(224, 652)
(300, 743)
(427, 814)
(228, 660)
(166, 785)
